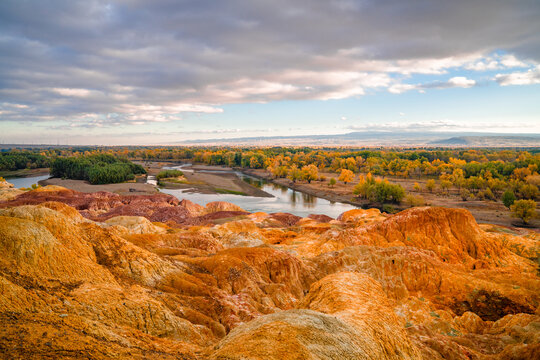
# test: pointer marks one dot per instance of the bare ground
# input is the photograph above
(223, 181)
(129, 188)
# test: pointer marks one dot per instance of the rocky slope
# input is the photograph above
(134, 277)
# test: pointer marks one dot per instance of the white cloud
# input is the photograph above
(401, 88)
(72, 92)
(495, 62)
(529, 77)
(456, 81)
(461, 81)
(510, 61)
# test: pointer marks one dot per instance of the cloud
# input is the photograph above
(460, 81)
(496, 62)
(72, 92)
(529, 77)
(434, 125)
(454, 82)
(96, 56)
(443, 125)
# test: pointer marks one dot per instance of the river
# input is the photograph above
(26, 182)
(284, 200)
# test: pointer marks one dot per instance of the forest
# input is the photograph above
(97, 169)
(484, 174)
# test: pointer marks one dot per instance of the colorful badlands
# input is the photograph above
(136, 277)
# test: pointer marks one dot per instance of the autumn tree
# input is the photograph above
(524, 209)
(346, 176)
(430, 185)
(294, 173)
(310, 172)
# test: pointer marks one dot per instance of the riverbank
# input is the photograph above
(8, 174)
(340, 194)
(207, 183)
(129, 188)
(198, 179)
(484, 211)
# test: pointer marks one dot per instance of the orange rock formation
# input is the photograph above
(105, 276)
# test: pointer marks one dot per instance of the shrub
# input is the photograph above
(524, 209)
(389, 209)
(465, 194)
(380, 191)
(412, 200)
(430, 185)
(508, 198)
(169, 174)
(332, 182)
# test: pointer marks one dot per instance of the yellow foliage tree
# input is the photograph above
(346, 176)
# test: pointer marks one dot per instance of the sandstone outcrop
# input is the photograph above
(134, 277)
(7, 191)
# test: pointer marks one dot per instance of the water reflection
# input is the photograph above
(309, 201)
(284, 200)
(26, 182)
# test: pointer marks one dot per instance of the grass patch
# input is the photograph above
(169, 174)
(232, 192)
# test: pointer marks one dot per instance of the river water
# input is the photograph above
(284, 200)
(26, 182)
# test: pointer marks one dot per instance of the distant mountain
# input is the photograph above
(488, 141)
(380, 138)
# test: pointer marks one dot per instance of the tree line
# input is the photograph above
(97, 169)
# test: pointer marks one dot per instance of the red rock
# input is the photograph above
(427, 282)
(320, 218)
(286, 219)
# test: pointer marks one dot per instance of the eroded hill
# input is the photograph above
(106, 276)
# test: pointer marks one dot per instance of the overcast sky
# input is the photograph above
(148, 72)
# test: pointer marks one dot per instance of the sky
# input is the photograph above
(160, 72)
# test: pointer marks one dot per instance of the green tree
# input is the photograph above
(524, 209)
(508, 198)
(332, 182)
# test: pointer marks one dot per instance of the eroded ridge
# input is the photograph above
(134, 277)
